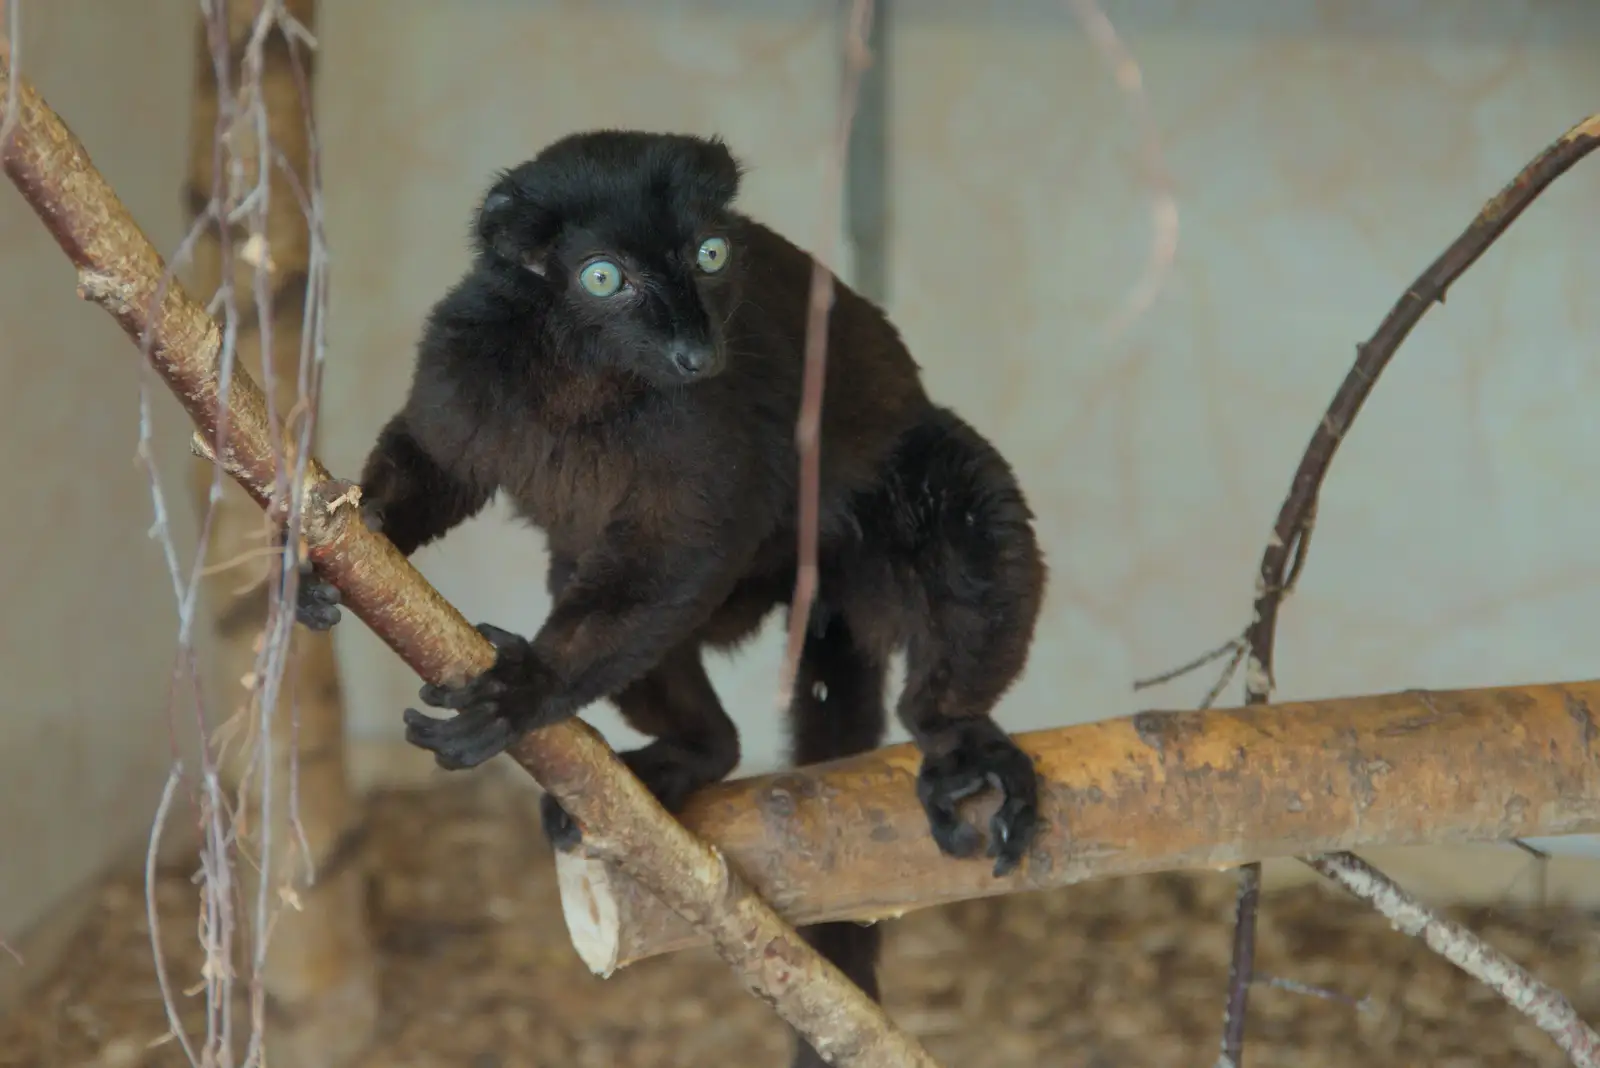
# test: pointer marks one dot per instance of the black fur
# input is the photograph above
(650, 433)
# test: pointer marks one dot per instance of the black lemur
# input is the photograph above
(623, 360)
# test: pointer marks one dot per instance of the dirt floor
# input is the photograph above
(478, 972)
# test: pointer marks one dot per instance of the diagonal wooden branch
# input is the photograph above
(120, 270)
(1155, 791)
(1285, 554)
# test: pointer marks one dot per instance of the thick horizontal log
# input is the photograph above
(1150, 792)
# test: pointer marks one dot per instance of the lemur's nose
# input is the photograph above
(692, 359)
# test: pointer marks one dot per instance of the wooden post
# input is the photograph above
(320, 974)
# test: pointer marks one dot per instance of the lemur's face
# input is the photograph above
(630, 237)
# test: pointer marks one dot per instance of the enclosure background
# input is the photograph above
(1322, 153)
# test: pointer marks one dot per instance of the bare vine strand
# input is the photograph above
(808, 426)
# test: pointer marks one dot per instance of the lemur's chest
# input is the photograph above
(572, 482)
(668, 462)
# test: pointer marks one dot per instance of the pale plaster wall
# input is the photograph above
(87, 613)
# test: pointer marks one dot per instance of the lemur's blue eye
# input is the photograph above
(713, 255)
(601, 278)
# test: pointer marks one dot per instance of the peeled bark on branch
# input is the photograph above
(1150, 792)
(119, 269)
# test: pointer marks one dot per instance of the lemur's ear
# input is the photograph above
(719, 171)
(512, 225)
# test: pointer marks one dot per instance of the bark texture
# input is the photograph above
(1151, 792)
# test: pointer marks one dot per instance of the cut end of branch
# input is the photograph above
(589, 905)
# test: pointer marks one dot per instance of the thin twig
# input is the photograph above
(1234, 649)
(1294, 986)
(1241, 965)
(153, 914)
(1543, 1004)
(1227, 648)
(1532, 850)
(808, 427)
(1292, 530)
